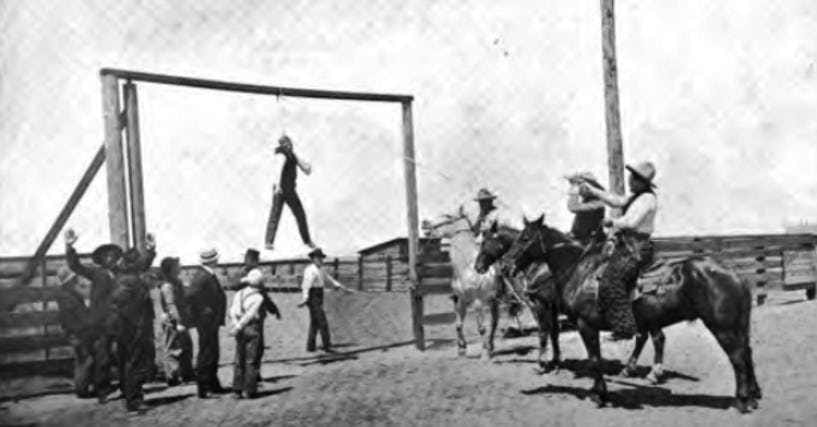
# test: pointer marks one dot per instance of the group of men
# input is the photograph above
(629, 233)
(117, 324)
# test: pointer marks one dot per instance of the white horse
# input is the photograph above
(470, 288)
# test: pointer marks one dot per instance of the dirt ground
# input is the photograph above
(366, 385)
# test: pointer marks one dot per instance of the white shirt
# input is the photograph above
(501, 217)
(640, 215)
(246, 306)
(315, 277)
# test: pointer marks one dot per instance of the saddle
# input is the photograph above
(658, 278)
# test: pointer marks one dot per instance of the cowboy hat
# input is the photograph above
(317, 253)
(253, 278)
(644, 171)
(208, 256)
(65, 275)
(587, 177)
(252, 254)
(484, 194)
(100, 252)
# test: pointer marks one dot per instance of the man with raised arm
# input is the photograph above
(315, 280)
(286, 168)
(633, 249)
(101, 317)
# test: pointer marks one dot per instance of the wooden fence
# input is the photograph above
(31, 339)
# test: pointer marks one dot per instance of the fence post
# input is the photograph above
(388, 273)
(360, 273)
(137, 195)
(412, 218)
(44, 301)
(117, 192)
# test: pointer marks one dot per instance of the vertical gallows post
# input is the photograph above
(413, 224)
(615, 156)
(114, 159)
(135, 165)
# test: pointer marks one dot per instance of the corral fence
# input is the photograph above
(773, 261)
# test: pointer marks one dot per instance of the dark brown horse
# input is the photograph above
(544, 301)
(706, 290)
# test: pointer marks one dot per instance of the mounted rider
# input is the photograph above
(588, 210)
(488, 213)
(633, 248)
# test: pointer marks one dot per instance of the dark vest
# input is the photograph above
(289, 173)
(587, 223)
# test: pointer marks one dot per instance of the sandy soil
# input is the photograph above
(402, 386)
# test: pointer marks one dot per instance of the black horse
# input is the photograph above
(706, 290)
(544, 301)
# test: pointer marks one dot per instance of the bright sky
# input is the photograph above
(720, 95)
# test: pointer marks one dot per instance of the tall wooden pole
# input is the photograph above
(615, 156)
(137, 194)
(413, 224)
(114, 159)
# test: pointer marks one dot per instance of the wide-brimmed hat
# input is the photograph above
(208, 256)
(65, 275)
(485, 194)
(587, 177)
(317, 253)
(252, 254)
(644, 171)
(253, 278)
(100, 252)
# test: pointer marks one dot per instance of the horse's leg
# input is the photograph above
(488, 343)
(733, 344)
(632, 362)
(590, 336)
(538, 310)
(754, 389)
(556, 360)
(460, 309)
(657, 371)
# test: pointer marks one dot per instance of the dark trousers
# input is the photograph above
(177, 354)
(317, 320)
(102, 353)
(291, 199)
(83, 364)
(139, 353)
(207, 359)
(618, 280)
(248, 351)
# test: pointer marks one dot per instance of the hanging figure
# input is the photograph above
(101, 317)
(177, 351)
(284, 192)
(633, 248)
(315, 280)
(75, 321)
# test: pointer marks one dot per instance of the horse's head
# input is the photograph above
(447, 225)
(532, 244)
(495, 243)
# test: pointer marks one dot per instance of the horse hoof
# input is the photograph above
(752, 404)
(548, 367)
(742, 406)
(461, 351)
(653, 379)
(486, 357)
(627, 372)
(598, 399)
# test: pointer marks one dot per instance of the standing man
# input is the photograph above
(207, 308)
(633, 250)
(315, 280)
(251, 262)
(74, 318)
(247, 317)
(588, 209)
(283, 191)
(177, 351)
(101, 317)
(135, 340)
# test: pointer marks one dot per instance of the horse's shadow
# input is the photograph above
(582, 368)
(640, 396)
